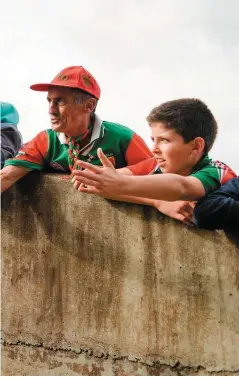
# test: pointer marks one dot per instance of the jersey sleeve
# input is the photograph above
(32, 155)
(137, 151)
(213, 175)
(145, 167)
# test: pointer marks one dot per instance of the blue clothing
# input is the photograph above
(11, 139)
(220, 209)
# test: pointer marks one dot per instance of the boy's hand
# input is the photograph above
(179, 210)
(97, 179)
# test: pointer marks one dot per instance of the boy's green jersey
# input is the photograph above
(212, 174)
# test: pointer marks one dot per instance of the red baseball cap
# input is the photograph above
(72, 77)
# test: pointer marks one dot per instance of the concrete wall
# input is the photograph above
(97, 287)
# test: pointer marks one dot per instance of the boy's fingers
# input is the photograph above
(79, 174)
(88, 189)
(188, 208)
(104, 160)
(185, 219)
(76, 184)
(86, 165)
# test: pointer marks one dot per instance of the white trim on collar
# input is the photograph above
(62, 138)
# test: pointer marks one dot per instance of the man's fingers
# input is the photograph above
(104, 160)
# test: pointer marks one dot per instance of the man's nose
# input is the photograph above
(52, 109)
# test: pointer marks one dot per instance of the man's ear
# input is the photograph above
(198, 145)
(90, 105)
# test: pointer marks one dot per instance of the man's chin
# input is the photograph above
(58, 127)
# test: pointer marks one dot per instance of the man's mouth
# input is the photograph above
(54, 120)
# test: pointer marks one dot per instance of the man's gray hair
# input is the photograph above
(81, 96)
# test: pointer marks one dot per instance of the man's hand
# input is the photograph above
(97, 179)
(179, 210)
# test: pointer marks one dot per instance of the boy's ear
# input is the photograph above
(198, 145)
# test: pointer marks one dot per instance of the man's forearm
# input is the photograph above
(11, 174)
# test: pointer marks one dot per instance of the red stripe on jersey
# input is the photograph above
(137, 151)
(145, 167)
(35, 150)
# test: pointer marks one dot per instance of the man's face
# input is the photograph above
(65, 115)
(170, 150)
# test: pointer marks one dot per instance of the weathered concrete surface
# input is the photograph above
(117, 280)
(35, 361)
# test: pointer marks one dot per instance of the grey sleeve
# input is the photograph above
(11, 141)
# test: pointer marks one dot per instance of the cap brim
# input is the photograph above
(40, 87)
(46, 87)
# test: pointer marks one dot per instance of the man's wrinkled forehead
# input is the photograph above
(56, 91)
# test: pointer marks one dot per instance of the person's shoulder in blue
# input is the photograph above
(11, 139)
(220, 209)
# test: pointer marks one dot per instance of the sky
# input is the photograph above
(141, 52)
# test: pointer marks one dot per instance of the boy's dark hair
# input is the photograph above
(189, 117)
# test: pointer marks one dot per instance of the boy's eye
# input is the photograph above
(164, 140)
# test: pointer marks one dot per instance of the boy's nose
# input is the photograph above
(155, 148)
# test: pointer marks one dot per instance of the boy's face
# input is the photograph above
(170, 150)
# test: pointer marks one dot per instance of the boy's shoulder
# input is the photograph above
(212, 173)
(215, 168)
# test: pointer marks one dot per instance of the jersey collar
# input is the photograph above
(205, 160)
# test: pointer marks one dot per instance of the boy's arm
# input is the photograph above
(105, 181)
(11, 174)
(179, 210)
(124, 171)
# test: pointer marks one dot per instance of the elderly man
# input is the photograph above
(76, 132)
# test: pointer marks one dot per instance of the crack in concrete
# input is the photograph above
(177, 366)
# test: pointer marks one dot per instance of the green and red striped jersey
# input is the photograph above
(49, 150)
(211, 173)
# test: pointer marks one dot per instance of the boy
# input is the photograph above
(183, 131)
(220, 209)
